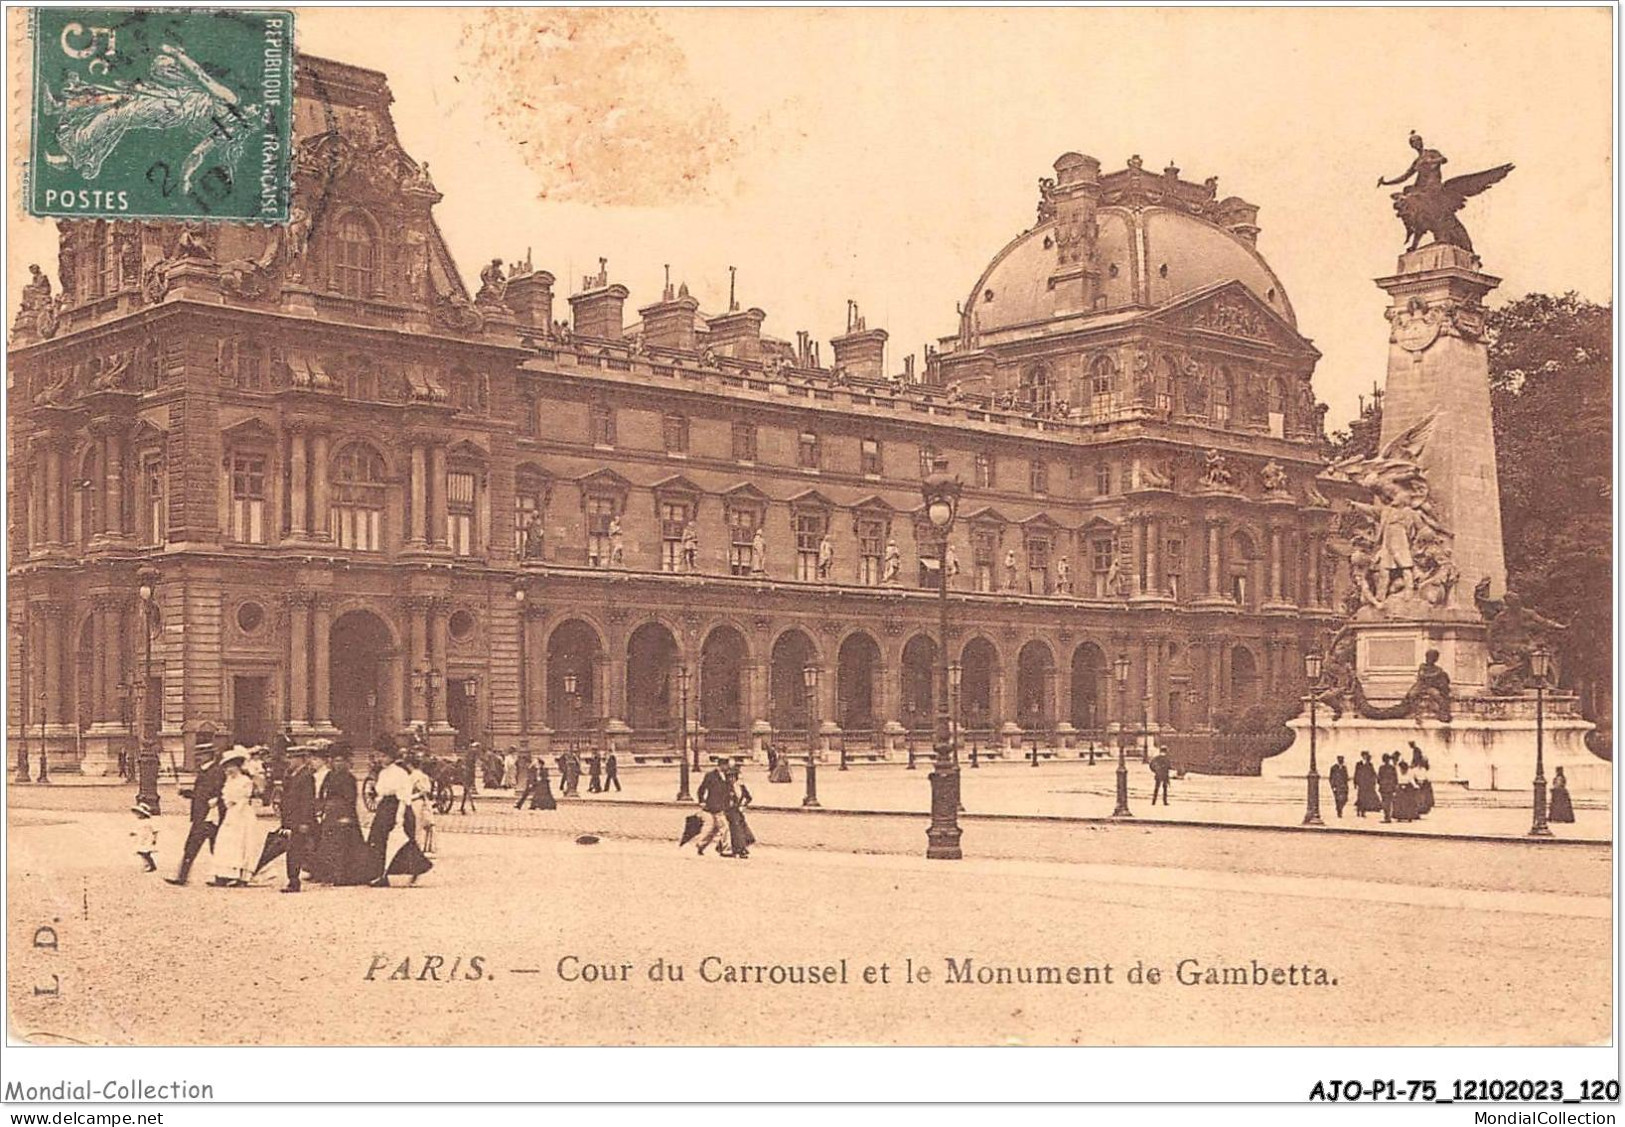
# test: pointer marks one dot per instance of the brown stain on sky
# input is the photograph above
(601, 103)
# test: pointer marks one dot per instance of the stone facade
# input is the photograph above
(373, 500)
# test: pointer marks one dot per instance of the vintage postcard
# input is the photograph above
(897, 527)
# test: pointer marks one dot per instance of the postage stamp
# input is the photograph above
(162, 114)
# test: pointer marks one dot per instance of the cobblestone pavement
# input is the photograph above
(1428, 940)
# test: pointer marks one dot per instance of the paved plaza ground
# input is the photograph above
(1427, 940)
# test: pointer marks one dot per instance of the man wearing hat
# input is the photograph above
(207, 808)
(299, 812)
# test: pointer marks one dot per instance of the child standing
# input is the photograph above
(145, 835)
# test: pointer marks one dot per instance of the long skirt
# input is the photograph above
(1367, 798)
(1562, 806)
(1424, 797)
(342, 856)
(1405, 803)
(739, 836)
(391, 841)
(541, 795)
(781, 770)
(236, 846)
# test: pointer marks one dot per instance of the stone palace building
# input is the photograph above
(366, 497)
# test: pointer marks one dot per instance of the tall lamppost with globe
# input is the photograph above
(809, 682)
(1120, 669)
(1311, 812)
(682, 744)
(941, 494)
(146, 756)
(1540, 666)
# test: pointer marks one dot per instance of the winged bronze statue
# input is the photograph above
(1428, 205)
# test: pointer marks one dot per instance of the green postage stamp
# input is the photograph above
(160, 113)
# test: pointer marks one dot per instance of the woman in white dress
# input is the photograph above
(236, 846)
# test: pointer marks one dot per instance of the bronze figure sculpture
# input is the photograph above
(1428, 206)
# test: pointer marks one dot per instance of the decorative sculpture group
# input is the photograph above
(1428, 205)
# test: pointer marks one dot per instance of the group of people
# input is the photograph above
(528, 777)
(723, 798)
(320, 833)
(1401, 790)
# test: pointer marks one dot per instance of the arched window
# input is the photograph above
(358, 498)
(87, 488)
(355, 256)
(1277, 406)
(1102, 385)
(1036, 391)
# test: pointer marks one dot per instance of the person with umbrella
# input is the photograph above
(206, 811)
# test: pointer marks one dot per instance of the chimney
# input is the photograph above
(861, 350)
(596, 311)
(670, 322)
(530, 296)
(1072, 200)
(1238, 217)
(737, 334)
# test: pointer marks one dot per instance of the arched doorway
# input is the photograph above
(857, 669)
(722, 680)
(1035, 668)
(979, 666)
(573, 655)
(1088, 688)
(360, 648)
(1243, 678)
(651, 682)
(792, 652)
(919, 683)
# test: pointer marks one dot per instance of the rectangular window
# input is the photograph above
(741, 538)
(1101, 551)
(1038, 476)
(358, 526)
(675, 432)
(525, 504)
(1038, 567)
(601, 512)
(1173, 566)
(1103, 480)
(152, 483)
(250, 368)
(871, 551)
(807, 452)
(928, 457)
(810, 526)
(984, 471)
(248, 499)
(460, 489)
(744, 442)
(527, 424)
(673, 519)
(107, 262)
(984, 548)
(602, 425)
(871, 458)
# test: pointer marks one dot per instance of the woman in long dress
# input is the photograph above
(541, 792)
(1405, 796)
(235, 850)
(740, 839)
(780, 771)
(1562, 806)
(390, 839)
(1366, 798)
(422, 803)
(341, 855)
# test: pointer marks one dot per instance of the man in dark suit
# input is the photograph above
(1340, 785)
(594, 777)
(714, 796)
(1160, 768)
(1388, 786)
(299, 814)
(471, 770)
(207, 809)
(612, 772)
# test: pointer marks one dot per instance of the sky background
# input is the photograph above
(887, 155)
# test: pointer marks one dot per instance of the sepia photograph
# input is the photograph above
(1103, 516)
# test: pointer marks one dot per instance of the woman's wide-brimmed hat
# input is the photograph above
(235, 755)
(142, 809)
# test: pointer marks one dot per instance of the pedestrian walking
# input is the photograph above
(470, 773)
(1366, 799)
(1388, 785)
(1160, 769)
(571, 782)
(1340, 785)
(612, 772)
(341, 854)
(206, 811)
(740, 839)
(779, 770)
(714, 797)
(595, 783)
(236, 845)
(422, 803)
(1421, 772)
(541, 788)
(298, 814)
(391, 836)
(1404, 793)
(1562, 806)
(144, 834)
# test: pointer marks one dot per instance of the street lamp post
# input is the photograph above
(571, 683)
(146, 757)
(809, 681)
(1311, 812)
(682, 747)
(955, 671)
(941, 493)
(519, 596)
(430, 680)
(1120, 669)
(1540, 664)
(23, 774)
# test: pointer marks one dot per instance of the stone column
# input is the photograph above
(1052, 698)
(1137, 538)
(321, 663)
(1150, 689)
(1272, 586)
(1153, 556)
(437, 487)
(1312, 595)
(602, 680)
(299, 658)
(420, 496)
(1215, 533)
(535, 709)
(755, 701)
(98, 645)
(319, 524)
(53, 493)
(112, 612)
(417, 622)
(437, 659)
(39, 675)
(298, 488)
(56, 615)
(113, 476)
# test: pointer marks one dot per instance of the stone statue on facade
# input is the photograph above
(1514, 632)
(251, 278)
(493, 284)
(1063, 576)
(1010, 569)
(1216, 470)
(893, 569)
(617, 543)
(758, 554)
(194, 243)
(1428, 205)
(1153, 476)
(535, 536)
(953, 562)
(1273, 478)
(826, 559)
(296, 241)
(691, 547)
(38, 311)
(112, 373)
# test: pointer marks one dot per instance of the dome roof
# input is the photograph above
(1147, 258)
